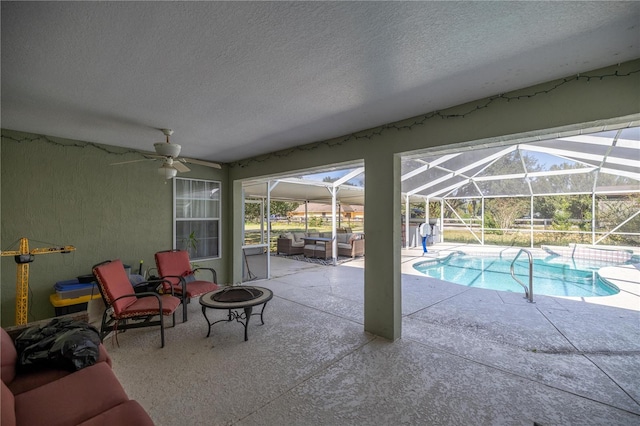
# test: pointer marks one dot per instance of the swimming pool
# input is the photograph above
(552, 276)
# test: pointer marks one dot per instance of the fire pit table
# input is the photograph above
(233, 299)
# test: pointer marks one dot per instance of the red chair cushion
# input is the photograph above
(197, 288)
(115, 283)
(173, 263)
(148, 305)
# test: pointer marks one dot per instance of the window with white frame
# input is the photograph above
(196, 215)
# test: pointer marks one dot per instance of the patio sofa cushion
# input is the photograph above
(347, 238)
(297, 238)
(8, 357)
(7, 407)
(72, 399)
(130, 411)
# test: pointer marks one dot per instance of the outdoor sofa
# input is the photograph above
(350, 244)
(90, 396)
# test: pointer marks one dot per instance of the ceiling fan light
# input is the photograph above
(167, 171)
(167, 149)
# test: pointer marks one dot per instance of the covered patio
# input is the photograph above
(466, 356)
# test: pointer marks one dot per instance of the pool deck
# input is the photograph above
(466, 356)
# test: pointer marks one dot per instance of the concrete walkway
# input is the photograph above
(466, 357)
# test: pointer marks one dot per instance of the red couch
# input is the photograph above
(90, 396)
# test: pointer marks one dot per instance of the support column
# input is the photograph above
(407, 220)
(334, 240)
(237, 232)
(306, 216)
(426, 220)
(382, 278)
(270, 186)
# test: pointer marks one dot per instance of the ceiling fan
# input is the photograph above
(168, 152)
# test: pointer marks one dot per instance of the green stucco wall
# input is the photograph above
(63, 192)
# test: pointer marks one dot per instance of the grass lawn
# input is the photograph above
(513, 238)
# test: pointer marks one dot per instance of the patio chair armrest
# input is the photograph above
(164, 278)
(138, 295)
(213, 273)
(158, 281)
(183, 284)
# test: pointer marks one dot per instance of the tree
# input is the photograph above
(564, 209)
(613, 210)
(283, 208)
(505, 211)
(357, 181)
(278, 208)
(417, 210)
(252, 212)
(562, 216)
(457, 205)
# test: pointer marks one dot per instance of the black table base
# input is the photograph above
(241, 317)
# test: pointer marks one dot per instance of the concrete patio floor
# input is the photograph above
(466, 356)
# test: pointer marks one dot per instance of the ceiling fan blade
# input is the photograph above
(202, 163)
(132, 161)
(180, 167)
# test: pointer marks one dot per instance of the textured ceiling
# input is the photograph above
(237, 79)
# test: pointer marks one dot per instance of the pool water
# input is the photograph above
(552, 276)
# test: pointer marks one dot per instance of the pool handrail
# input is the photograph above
(528, 292)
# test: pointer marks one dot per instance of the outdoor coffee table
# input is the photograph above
(234, 298)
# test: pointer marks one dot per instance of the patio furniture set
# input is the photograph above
(320, 244)
(145, 304)
(67, 390)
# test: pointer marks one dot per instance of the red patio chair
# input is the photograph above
(174, 267)
(127, 309)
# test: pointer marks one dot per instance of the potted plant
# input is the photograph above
(191, 246)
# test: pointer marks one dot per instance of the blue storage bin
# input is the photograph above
(70, 289)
